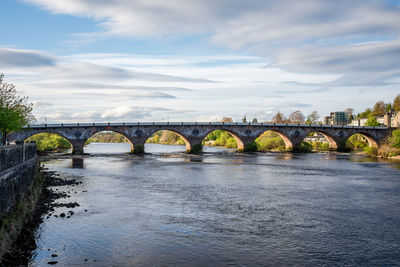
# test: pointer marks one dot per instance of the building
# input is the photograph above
(358, 122)
(393, 118)
(316, 138)
(336, 118)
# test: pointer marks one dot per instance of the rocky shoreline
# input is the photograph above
(22, 250)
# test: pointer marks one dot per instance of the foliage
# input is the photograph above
(304, 147)
(107, 137)
(296, 117)
(364, 114)
(166, 137)
(388, 107)
(319, 146)
(379, 109)
(356, 142)
(270, 141)
(394, 140)
(220, 138)
(396, 103)
(244, 119)
(386, 151)
(252, 147)
(371, 151)
(254, 120)
(15, 111)
(372, 121)
(197, 148)
(49, 141)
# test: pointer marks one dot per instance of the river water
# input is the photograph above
(223, 208)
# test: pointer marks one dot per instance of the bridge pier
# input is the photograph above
(194, 144)
(137, 148)
(77, 146)
(246, 144)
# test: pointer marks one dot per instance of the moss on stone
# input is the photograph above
(196, 149)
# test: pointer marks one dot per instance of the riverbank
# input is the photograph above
(41, 203)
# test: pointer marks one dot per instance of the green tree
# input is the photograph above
(372, 121)
(364, 114)
(244, 119)
(254, 120)
(379, 109)
(15, 111)
(396, 103)
(394, 140)
(388, 107)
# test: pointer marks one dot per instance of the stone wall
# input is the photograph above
(18, 168)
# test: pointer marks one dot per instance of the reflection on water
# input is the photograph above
(225, 208)
(118, 148)
(77, 163)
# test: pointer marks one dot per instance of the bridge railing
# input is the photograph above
(116, 124)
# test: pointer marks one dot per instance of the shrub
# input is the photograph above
(371, 151)
(49, 141)
(304, 147)
(394, 140)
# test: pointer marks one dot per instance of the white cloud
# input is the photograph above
(299, 36)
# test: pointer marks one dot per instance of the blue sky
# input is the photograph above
(192, 60)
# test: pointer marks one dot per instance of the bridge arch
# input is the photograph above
(239, 141)
(32, 135)
(188, 146)
(372, 142)
(127, 137)
(286, 139)
(333, 144)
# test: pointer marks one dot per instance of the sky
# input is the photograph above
(199, 60)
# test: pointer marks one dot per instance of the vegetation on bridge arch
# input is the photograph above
(49, 142)
(220, 138)
(270, 141)
(107, 137)
(166, 137)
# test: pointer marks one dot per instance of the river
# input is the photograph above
(223, 208)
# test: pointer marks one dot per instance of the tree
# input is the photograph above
(278, 118)
(254, 120)
(349, 112)
(313, 118)
(244, 119)
(394, 140)
(372, 121)
(396, 103)
(15, 111)
(365, 114)
(296, 117)
(388, 107)
(379, 109)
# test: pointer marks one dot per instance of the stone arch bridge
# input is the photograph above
(193, 133)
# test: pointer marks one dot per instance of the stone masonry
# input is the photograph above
(193, 133)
